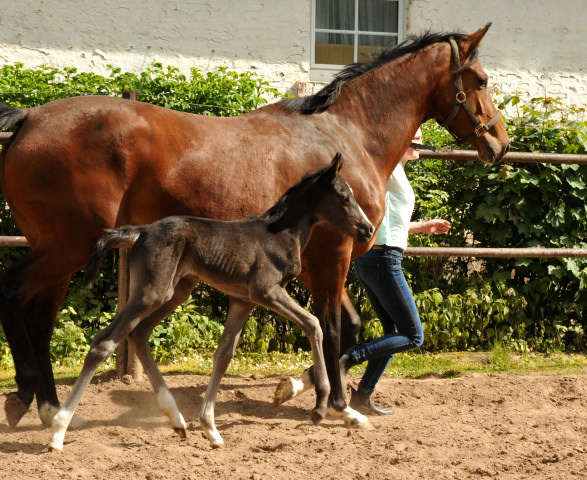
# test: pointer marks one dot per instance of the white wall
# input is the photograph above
(534, 46)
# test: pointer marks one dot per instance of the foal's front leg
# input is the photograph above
(238, 313)
(279, 301)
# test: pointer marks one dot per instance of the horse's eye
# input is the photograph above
(482, 82)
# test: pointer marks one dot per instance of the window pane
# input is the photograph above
(334, 48)
(371, 44)
(335, 14)
(378, 15)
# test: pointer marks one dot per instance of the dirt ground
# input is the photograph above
(477, 426)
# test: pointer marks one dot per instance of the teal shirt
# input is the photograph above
(399, 206)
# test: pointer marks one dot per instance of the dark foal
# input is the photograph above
(250, 259)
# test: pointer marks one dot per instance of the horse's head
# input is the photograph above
(339, 207)
(467, 110)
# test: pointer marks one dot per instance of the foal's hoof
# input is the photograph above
(15, 409)
(181, 432)
(283, 392)
(359, 424)
(48, 411)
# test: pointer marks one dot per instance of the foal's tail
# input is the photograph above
(118, 237)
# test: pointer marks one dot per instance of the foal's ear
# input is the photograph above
(336, 163)
(330, 173)
(473, 41)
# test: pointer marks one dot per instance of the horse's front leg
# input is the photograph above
(237, 316)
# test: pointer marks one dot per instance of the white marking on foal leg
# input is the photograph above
(290, 387)
(209, 426)
(60, 422)
(168, 406)
(352, 419)
(48, 411)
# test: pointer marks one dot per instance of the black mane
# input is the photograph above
(293, 203)
(320, 101)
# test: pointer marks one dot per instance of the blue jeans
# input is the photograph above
(380, 272)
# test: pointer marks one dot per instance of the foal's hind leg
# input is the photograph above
(237, 316)
(104, 344)
(140, 338)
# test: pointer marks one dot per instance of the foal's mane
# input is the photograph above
(320, 101)
(293, 203)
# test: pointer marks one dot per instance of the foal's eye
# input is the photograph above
(482, 82)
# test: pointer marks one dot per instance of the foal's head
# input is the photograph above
(337, 204)
(322, 196)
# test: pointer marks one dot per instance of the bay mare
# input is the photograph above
(250, 259)
(77, 166)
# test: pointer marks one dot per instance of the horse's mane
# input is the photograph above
(293, 203)
(320, 101)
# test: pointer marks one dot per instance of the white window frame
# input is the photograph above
(320, 72)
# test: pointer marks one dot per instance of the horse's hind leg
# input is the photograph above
(238, 313)
(140, 338)
(30, 294)
(40, 318)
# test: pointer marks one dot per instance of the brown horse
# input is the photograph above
(77, 166)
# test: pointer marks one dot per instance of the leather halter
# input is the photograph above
(461, 101)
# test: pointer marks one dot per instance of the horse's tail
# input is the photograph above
(10, 116)
(118, 237)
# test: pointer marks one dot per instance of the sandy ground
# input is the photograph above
(478, 426)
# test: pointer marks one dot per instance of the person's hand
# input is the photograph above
(436, 225)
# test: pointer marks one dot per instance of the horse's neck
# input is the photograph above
(387, 106)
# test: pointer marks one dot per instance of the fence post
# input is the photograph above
(127, 362)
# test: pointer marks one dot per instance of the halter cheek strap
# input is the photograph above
(461, 101)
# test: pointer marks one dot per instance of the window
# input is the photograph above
(347, 31)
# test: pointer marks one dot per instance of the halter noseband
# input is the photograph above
(461, 101)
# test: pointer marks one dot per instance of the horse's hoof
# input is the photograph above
(181, 432)
(283, 392)
(316, 417)
(15, 409)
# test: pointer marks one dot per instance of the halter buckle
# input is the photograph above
(480, 129)
(461, 97)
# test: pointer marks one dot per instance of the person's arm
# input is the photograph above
(434, 226)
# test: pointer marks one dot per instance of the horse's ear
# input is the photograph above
(472, 42)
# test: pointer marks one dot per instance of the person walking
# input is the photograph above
(380, 272)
